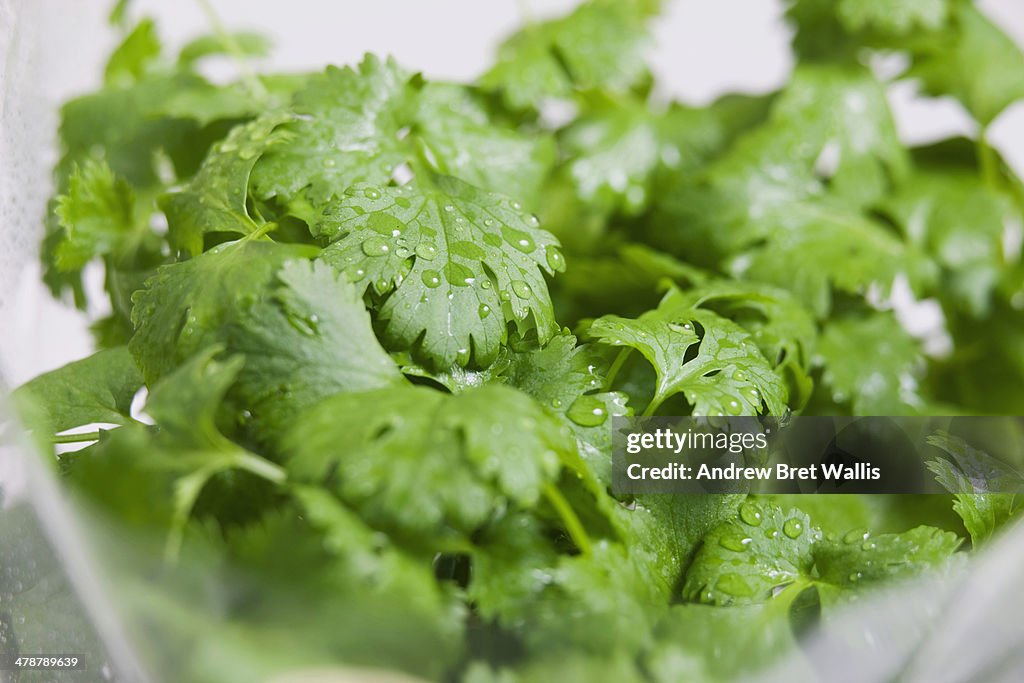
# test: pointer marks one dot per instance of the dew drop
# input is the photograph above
(449, 208)
(751, 514)
(855, 536)
(355, 273)
(402, 252)
(556, 403)
(371, 193)
(521, 289)
(329, 163)
(793, 528)
(734, 407)
(486, 284)
(868, 545)
(375, 246)
(431, 278)
(484, 310)
(734, 542)
(519, 239)
(426, 251)
(855, 577)
(587, 411)
(739, 376)
(555, 259)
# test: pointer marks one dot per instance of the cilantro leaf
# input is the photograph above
(745, 559)
(892, 17)
(600, 44)
(346, 131)
(99, 388)
(215, 198)
(959, 220)
(871, 362)
(978, 64)
(971, 475)
(451, 119)
(98, 214)
(128, 63)
(186, 306)
(865, 558)
(725, 374)
(458, 265)
(308, 338)
(422, 461)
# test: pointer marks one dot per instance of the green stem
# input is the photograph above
(568, 516)
(987, 160)
(231, 45)
(75, 438)
(617, 364)
(652, 406)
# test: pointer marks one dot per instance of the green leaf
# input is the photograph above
(985, 488)
(784, 330)
(457, 264)
(872, 363)
(97, 214)
(185, 404)
(893, 17)
(724, 374)
(690, 640)
(99, 388)
(601, 44)
(186, 306)
(978, 64)
(251, 44)
(308, 338)
(346, 131)
(744, 560)
(451, 119)
(215, 199)
(863, 558)
(129, 62)
(419, 461)
(595, 603)
(958, 219)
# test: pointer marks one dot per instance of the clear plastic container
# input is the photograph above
(67, 580)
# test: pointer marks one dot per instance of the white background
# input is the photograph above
(702, 50)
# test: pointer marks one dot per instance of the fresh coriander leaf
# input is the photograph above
(960, 220)
(784, 330)
(97, 389)
(457, 264)
(186, 306)
(978, 64)
(567, 379)
(185, 404)
(595, 603)
(871, 362)
(864, 558)
(419, 461)
(306, 339)
(744, 561)
(215, 199)
(601, 44)
(346, 131)
(98, 215)
(893, 17)
(451, 119)
(614, 153)
(377, 565)
(690, 637)
(972, 475)
(251, 44)
(725, 374)
(129, 62)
